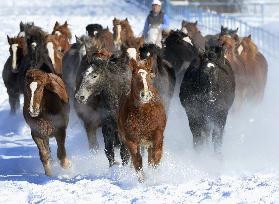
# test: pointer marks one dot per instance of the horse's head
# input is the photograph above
(55, 52)
(36, 81)
(93, 79)
(142, 77)
(17, 50)
(23, 27)
(230, 44)
(189, 28)
(62, 30)
(121, 31)
(93, 29)
(228, 32)
(247, 48)
(215, 51)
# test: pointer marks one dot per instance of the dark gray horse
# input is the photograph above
(207, 93)
(164, 75)
(110, 80)
(71, 62)
(213, 39)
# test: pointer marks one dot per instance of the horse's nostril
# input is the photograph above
(81, 98)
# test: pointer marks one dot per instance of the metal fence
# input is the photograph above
(210, 23)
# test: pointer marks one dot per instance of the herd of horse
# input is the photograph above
(114, 80)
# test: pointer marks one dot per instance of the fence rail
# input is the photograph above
(210, 23)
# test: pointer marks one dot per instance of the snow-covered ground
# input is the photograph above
(247, 173)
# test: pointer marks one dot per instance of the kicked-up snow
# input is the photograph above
(247, 171)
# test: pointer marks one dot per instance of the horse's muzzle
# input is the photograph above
(34, 113)
(145, 96)
(15, 70)
(80, 98)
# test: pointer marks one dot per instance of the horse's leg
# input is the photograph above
(197, 126)
(14, 101)
(91, 135)
(136, 159)
(218, 130)
(61, 150)
(157, 149)
(43, 151)
(108, 134)
(124, 153)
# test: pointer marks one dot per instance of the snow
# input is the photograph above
(248, 171)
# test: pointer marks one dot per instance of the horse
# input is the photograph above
(55, 52)
(163, 74)
(46, 111)
(105, 37)
(213, 39)
(142, 117)
(256, 67)
(108, 79)
(240, 72)
(18, 50)
(207, 93)
(93, 29)
(64, 35)
(124, 35)
(37, 56)
(179, 51)
(192, 30)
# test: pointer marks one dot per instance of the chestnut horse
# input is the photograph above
(256, 66)
(57, 44)
(124, 35)
(191, 29)
(46, 111)
(142, 117)
(240, 72)
(105, 37)
(18, 50)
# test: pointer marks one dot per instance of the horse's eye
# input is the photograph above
(95, 76)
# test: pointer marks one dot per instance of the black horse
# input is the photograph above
(207, 93)
(179, 51)
(110, 80)
(93, 29)
(213, 39)
(164, 74)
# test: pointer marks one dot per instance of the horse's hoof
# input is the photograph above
(47, 169)
(115, 163)
(66, 163)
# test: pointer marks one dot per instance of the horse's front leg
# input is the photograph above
(136, 159)
(218, 130)
(91, 135)
(14, 101)
(155, 152)
(42, 144)
(61, 150)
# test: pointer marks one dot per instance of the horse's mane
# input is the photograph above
(253, 49)
(126, 26)
(64, 30)
(36, 32)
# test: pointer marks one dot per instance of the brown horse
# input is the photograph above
(240, 72)
(192, 30)
(18, 49)
(124, 35)
(58, 43)
(46, 111)
(142, 117)
(55, 52)
(256, 66)
(105, 37)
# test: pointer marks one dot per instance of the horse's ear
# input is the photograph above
(236, 30)
(250, 37)
(196, 23)
(9, 40)
(21, 26)
(222, 27)
(126, 19)
(182, 23)
(56, 85)
(56, 24)
(78, 40)
(66, 23)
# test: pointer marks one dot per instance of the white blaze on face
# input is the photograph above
(34, 44)
(57, 33)
(33, 87)
(132, 53)
(118, 31)
(188, 40)
(95, 32)
(14, 59)
(184, 30)
(209, 65)
(240, 49)
(143, 74)
(50, 52)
